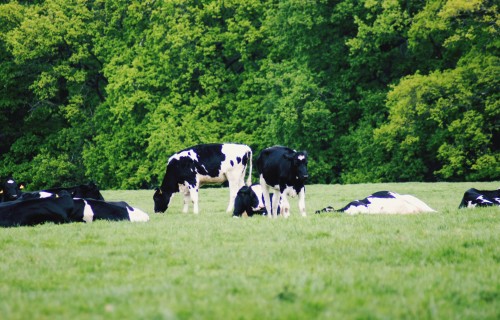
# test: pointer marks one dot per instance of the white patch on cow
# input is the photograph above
(257, 189)
(301, 157)
(10, 181)
(44, 194)
(187, 153)
(137, 215)
(483, 200)
(88, 214)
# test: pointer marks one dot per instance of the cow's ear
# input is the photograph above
(21, 186)
(1, 191)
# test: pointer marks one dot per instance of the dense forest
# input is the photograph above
(373, 90)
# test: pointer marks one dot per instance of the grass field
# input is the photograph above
(443, 265)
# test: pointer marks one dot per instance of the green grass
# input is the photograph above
(443, 265)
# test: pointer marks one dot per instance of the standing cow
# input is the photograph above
(284, 170)
(191, 168)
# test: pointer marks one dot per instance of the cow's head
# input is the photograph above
(161, 199)
(91, 190)
(11, 190)
(246, 201)
(298, 164)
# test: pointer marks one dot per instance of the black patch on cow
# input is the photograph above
(382, 194)
(232, 163)
(238, 159)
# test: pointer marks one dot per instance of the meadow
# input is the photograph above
(442, 265)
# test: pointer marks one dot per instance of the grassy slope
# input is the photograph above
(210, 266)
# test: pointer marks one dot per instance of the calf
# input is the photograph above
(384, 202)
(191, 168)
(10, 190)
(480, 198)
(284, 170)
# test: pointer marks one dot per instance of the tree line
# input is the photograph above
(374, 90)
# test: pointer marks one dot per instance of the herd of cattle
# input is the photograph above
(281, 170)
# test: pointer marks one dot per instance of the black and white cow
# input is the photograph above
(480, 198)
(88, 210)
(36, 211)
(10, 190)
(193, 167)
(284, 170)
(384, 202)
(62, 208)
(83, 191)
(250, 200)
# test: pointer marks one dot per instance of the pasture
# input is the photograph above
(442, 265)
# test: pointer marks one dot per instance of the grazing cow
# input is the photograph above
(88, 210)
(36, 211)
(384, 202)
(10, 190)
(284, 170)
(193, 167)
(480, 198)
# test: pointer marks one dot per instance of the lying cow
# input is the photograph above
(284, 170)
(480, 198)
(84, 191)
(36, 211)
(88, 210)
(62, 208)
(250, 200)
(10, 190)
(191, 168)
(384, 202)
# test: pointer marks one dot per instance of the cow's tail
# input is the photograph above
(249, 179)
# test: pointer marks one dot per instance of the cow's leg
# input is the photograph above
(285, 205)
(265, 194)
(235, 180)
(276, 203)
(193, 191)
(302, 201)
(187, 197)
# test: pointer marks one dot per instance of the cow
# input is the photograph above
(284, 170)
(480, 198)
(250, 200)
(10, 190)
(189, 169)
(84, 191)
(384, 202)
(88, 210)
(36, 211)
(63, 208)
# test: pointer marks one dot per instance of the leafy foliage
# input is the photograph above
(388, 90)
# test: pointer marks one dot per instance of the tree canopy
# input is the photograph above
(374, 90)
